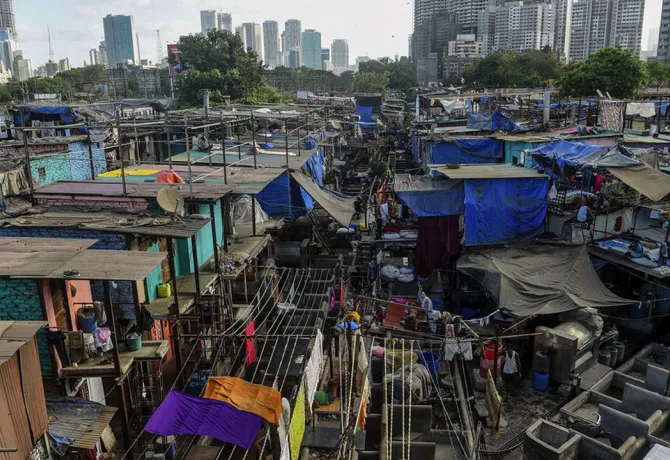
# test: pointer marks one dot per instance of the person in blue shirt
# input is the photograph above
(584, 214)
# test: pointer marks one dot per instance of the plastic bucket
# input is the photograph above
(87, 320)
(486, 362)
(431, 361)
(541, 362)
(541, 382)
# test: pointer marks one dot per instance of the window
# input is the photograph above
(42, 172)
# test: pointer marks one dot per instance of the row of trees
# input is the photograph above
(614, 70)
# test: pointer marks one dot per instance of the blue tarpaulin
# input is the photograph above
(364, 112)
(66, 115)
(434, 202)
(465, 151)
(502, 211)
(314, 166)
(494, 122)
(564, 153)
(283, 197)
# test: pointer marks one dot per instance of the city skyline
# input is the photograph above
(74, 35)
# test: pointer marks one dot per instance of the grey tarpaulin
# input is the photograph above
(540, 279)
(339, 207)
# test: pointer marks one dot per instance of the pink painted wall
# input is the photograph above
(82, 294)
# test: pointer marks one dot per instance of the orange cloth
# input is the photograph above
(169, 177)
(248, 397)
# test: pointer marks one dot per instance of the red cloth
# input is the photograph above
(250, 343)
(438, 241)
(599, 183)
(169, 177)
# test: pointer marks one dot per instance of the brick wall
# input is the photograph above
(19, 150)
(20, 301)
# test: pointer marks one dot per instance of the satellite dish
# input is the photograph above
(608, 95)
(600, 93)
(170, 201)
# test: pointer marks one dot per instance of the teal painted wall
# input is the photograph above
(20, 301)
(56, 167)
(203, 239)
(513, 149)
(155, 277)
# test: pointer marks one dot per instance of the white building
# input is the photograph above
(94, 57)
(225, 21)
(626, 24)
(465, 45)
(339, 51)
(521, 27)
(251, 35)
(64, 65)
(271, 44)
(23, 68)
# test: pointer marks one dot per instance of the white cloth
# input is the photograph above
(313, 370)
(452, 349)
(427, 304)
(384, 212)
(510, 366)
(283, 429)
(644, 109)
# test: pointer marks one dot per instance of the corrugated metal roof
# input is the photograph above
(496, 171)
(89, 264)
(201, 192)
(106, 221)
(9, 244)
(78, 419)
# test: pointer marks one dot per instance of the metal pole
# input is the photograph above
(253, 214)
(253, 138)
(127, 440)
(169, 140)
(138, 159)
(26, 151)
(286, 138)
(175, 292)
(188, 160)
(223, 149)
(196, 267)
(90, 149)
(119, 141)
(215, 241)
(239, 149)
(111, 322)
(225, 205)
(299, 121)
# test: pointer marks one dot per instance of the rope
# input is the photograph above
(409, 423)
(403, 395)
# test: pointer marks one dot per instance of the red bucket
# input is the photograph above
(487, 358)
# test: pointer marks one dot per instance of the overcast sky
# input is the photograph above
(373, 27)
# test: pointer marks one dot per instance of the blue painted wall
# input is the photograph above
(20, 301)
(56, 167)
(80, 163)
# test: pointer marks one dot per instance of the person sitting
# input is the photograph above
(584, 215)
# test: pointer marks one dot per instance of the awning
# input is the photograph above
(490, 171)
(650, 182)
(339, 207)
(540, 279)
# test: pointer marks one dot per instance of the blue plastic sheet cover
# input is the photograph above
(494, 122)
(65, 114)
(564, 153)
(364, 112)
(314, 166)
(428, 197)
(502, 211)
(283, 197)
(465, 151)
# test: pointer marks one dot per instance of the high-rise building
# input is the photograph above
(51, 68)
(562, 11)
(590, 28)
(311, 49)
(652, 41)
(292, 59)
(102, 49)
(521, 27)
(327, 66)
(466, 11)
(360, 60)
(291, 38)
(663, 51)
(23, 69)
(7, 18)
(465, 45)
(626, 24)
(251, 35)
(410, 50)
(225, 21)
(325, 56)
(7, 47)
(340, 56)
(94, 57)
(64, 65)
(208, 21)
(271, 43)
(120, 40)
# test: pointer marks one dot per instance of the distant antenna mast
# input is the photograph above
(51, 49)
(160, 55)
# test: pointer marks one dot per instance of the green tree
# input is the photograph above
(402, 74)
(218, 62)
(261, 95)
(658, 72)
(371, 82)
(614, 70)
(505, 69)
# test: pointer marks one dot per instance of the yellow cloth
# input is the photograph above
(248, 397)
(297, 426)
(493, 404)
(134, 172)
(352, 315)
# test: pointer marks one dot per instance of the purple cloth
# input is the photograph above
(184, 414)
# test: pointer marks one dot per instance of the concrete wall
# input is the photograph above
(547, 441)
(80, 163)
(52, 168)
(73, 165)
